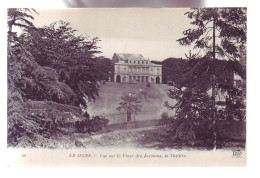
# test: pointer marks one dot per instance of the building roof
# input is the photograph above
(127, 56)
(150, 64)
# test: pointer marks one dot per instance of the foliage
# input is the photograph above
(191, 56)
(193, 101)
(235, 103)
(230, 25)
(19, 17)
(165, 119)
(32, 119)
(130, 104)
(172, 69)
(105, 68)
(51, 72)
(195, 108)
(96, 124)
(57, 46)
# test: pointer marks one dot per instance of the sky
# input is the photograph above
(134, 3)
(150, 32)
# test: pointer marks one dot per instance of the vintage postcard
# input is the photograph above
(127, 87)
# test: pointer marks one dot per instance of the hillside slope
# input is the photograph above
(110, 96)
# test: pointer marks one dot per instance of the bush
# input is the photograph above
(188, 132)
(166, 120)
(96, 124)
(164, 116)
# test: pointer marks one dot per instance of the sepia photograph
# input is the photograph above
(127, 86)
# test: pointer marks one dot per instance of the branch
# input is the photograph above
(207, 33)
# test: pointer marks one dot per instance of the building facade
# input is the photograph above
(135, 68)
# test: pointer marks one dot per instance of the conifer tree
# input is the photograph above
(20, 17)
(131, 104)
(217, 33)
(47, 85)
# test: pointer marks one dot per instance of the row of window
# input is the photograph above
(136, 62)
(139, 79)
(139, 68)
(134, 67)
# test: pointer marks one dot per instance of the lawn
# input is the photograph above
(110, 97)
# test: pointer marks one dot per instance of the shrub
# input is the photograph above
(96, 124)
(166, 120)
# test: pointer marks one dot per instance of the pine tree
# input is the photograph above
(131, 104)
(218, 32)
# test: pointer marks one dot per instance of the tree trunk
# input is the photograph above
(10, 25)
(128, 115)
(213, 116)
(10, 28)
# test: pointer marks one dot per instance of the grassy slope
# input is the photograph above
(110, 96)
(231, 134)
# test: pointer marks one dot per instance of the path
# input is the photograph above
(141, 134)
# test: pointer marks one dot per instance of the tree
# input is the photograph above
(73, 57)
(33, 116)
(19, 17)
(172, 69)
(193, 102)
(131, 104)
(228, 28)
(191, 56)
(47, 85)
(105, 66)
(218, 32)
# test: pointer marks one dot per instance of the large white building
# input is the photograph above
(135, 68)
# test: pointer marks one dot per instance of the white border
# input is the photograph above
(253, 116)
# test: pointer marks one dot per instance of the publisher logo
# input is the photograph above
(237, 154)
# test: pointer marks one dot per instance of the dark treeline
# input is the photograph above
(173, 69)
